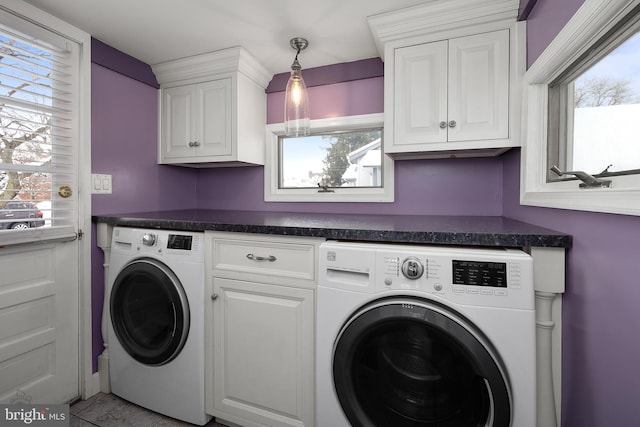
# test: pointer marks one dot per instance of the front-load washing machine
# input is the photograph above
(424, 336)
(156, 327)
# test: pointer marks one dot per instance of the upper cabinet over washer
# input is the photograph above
(453, 73)
(212, 110)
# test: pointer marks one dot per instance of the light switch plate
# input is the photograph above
(101, 184)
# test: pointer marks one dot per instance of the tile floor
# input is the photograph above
(108, 410)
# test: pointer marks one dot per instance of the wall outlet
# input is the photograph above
(100, 184)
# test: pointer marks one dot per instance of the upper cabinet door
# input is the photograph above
(178, 121)
(214, 118)
(479, 87)
(420, 89)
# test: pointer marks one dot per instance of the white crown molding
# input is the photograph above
(235, 59)
(437, 16)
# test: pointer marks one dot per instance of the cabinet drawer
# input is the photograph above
(265, 256)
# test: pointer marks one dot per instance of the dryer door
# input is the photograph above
(409, 362)
(149, 311)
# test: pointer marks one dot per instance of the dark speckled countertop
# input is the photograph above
(445, 230)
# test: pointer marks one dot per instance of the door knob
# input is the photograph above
(65, 191)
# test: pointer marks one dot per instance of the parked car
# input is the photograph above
(17, 214)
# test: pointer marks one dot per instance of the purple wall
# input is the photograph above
(600, 345)
(545, 21)
(473, 186)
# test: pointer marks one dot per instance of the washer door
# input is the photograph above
(149, 312)
(410, 362)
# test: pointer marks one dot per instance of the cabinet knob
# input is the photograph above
(443, 124)
(452, 124)
(214, 297)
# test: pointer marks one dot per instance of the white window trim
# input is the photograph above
(274, 194)
(591, 22)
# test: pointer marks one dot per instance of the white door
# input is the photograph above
(39, 323)
(44, 133)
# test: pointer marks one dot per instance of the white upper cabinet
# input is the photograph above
(452, 78)
(196, 120)
(212, 110)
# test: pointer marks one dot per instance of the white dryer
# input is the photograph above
(416, 335)
(156, 321)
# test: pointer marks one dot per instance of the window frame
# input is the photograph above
(273, 193)
(591, 22)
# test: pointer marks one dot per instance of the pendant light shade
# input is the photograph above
(296, 101)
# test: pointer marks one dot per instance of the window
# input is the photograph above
(594, 109)
(583, 113)
(39, 74)
(342, 160)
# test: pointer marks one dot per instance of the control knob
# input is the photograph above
(412, 268)
(148, 239)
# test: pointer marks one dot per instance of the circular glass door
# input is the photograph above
(409, 363)
(149, 312)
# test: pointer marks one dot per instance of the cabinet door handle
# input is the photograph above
(452, 124)
(443, 124)
(269, 258)
(196, 144)
(214, 297)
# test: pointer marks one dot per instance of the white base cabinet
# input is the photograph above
(260, 310)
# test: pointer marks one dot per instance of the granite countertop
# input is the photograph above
(431, 229)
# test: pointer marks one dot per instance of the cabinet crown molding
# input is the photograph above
(235, 59)
(437, 16)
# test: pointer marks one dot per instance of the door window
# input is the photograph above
(39, 128)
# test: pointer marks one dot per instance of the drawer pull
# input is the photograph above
(269, 258)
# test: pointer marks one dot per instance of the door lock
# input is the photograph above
(65, 191)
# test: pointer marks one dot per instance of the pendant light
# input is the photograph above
(296, 101)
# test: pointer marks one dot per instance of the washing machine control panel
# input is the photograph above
(183, 245)
(487, 278)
